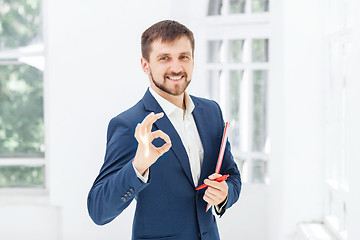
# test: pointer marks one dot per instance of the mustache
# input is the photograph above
(175, 74)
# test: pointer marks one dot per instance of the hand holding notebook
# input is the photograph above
(219, 161)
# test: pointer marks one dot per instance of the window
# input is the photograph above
(22, 148)
(234, 7)
(339, 42)
(237, 66)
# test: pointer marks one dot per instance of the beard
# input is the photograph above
(178, 89)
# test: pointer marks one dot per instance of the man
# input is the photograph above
(162, 148)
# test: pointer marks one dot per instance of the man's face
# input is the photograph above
(170, 66)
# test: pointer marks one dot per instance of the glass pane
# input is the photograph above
(260, 110)
(214, 84)
(235, 81)
(237, 6)
(243, 168)
(215, 7)
(215, 51)
(339, 14)
(349, 14)
(336, 209)
(236, 51)
(21, 111)
(259, 171)
(260, 50)
(260, 6)
(20, 23)
(22, 176)
(347, 52)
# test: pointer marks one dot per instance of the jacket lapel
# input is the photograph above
(202, 124)
(165, 125)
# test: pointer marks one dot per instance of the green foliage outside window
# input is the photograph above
(21, 110)
(21, 90)
(260, 50)
(260, 6)
(21, 95)
(237, 6)
(20, 23)
(259, 115)
(21, 176)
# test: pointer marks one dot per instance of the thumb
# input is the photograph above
(214, 176)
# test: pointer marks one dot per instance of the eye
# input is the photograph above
(184, 57)
(164, 58)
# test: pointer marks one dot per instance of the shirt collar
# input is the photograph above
(169, 108)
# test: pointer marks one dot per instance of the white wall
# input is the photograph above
(296, 115)
(93, 74)
(29, 221)
(353, 132)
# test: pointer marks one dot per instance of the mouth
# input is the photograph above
(175, 78)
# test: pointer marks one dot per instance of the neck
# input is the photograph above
(178, 100)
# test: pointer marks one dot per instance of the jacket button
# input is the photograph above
(132, 190)
(123, 199)
(128, 193)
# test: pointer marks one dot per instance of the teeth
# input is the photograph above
(175, 78)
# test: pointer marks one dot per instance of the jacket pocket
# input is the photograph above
(159, 237)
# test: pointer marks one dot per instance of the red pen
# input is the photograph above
(219, 179)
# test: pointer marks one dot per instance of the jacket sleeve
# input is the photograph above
(117, 183)
(229, 167)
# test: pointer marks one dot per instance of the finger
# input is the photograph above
(136, 134)
(142, 127)
(215, 184)
(153, 120)
(213, 191)
(164, 148)
(141, 132)
(216, 195)
(214, 198)
(208, 198)
(214, 176)
(150, 121)
(148, 117)
(160, 134)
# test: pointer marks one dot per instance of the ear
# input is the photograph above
(145, 66)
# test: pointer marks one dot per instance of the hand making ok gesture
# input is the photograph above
(146, 153)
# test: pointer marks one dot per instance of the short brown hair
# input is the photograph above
(168, 31)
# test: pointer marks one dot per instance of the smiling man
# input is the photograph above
(162, 148)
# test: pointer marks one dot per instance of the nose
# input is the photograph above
(176, 67)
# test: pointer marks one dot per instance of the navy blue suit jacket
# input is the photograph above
(168, 207)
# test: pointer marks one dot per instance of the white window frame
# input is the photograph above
(248, 26)
(33, 55)
(338, 33)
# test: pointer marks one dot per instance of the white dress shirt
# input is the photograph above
(184, 123)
